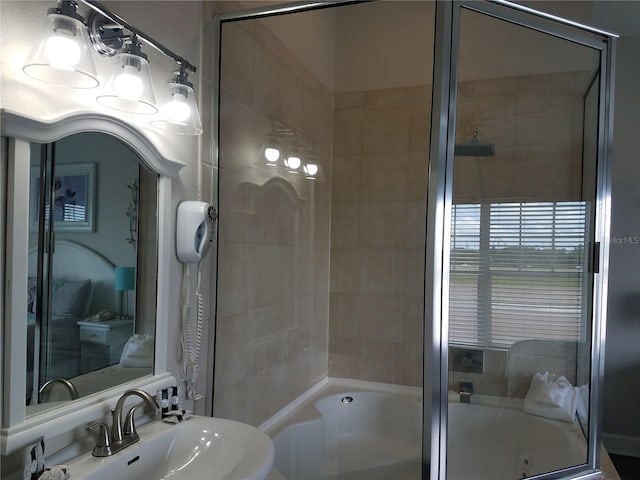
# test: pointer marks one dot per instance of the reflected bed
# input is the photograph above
(82, 285)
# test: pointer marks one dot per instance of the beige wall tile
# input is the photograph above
(381, 270)
(267, 81)
(382, 224)
(343, 314)
(420, 125)
(272, 279)
(385, 128)
(379, 317)
(236, 63)
(379, 361)
(345, 180)
(414, 271)
(347, 131)
(412, 363)
(417, 168)
(345, 219)
(234, 278)
(416, 214)
(383, 177)
(342, 357)
(347, 100)
(344, 270)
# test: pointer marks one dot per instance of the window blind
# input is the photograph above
(517, 272)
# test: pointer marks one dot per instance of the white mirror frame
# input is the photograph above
(17, 430)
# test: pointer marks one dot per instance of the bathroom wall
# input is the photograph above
(271, 336)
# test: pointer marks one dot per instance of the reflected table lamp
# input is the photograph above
(125, 282)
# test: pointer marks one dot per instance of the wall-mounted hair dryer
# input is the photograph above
(195, 228)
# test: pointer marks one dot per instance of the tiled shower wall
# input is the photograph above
(378, 205)
(378, 223)
(272, 312)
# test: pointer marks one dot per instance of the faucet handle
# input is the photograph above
(103, 445)
(129, 424)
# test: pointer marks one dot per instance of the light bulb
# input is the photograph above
(311, 169)
(62, 52)
(128, 84)
(271, 154)
(293, 162)
(178, 109)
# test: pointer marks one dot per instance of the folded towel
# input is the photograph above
(556, 399)
(582, 404)
(57, 472)
(138, 351)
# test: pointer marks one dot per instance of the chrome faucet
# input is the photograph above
(67, 384)
(124, 433)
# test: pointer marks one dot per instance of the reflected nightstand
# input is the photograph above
(101, 343)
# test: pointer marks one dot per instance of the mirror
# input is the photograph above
(92, 268)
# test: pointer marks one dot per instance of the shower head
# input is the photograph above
(474, 148)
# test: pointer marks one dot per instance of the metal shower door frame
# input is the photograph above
(439, 208)
(439, 201)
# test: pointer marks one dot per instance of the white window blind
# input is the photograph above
(517, 272)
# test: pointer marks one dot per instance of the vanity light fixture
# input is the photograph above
(299, 159)
(180, 114)
(129, 88)
(62, 56)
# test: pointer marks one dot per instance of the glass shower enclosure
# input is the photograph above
(414, 214)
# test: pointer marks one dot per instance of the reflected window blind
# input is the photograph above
(516, 272)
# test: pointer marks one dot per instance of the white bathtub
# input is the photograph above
(374, 433)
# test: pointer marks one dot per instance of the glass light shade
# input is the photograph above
(293, 162)
(313, 171)
(271, 154)
(129, 89)
(271, 150)
(62, 55)
(180, 114)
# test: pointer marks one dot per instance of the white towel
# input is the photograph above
(57, 472)
(554, 399)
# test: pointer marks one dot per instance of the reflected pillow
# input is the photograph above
(70, 297)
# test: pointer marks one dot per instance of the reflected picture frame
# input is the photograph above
(73, 197)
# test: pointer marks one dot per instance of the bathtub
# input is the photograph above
(374, 432)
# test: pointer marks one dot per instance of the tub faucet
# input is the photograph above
(66, 383)
(466, 390)
(124, 433)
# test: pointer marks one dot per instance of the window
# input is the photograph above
(517, 272)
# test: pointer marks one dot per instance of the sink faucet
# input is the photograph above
(116, 424)
(67, 384)
(124, 433)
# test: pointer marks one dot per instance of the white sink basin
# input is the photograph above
(199, 448)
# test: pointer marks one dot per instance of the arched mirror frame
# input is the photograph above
(19, 131)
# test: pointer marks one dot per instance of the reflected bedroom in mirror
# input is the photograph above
(92, 269)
